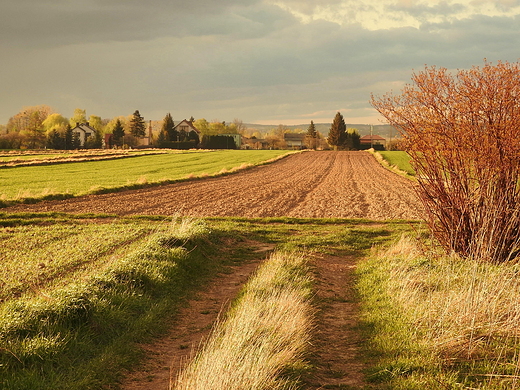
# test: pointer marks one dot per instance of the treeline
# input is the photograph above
(39, 127)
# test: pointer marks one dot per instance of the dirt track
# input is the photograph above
(306, 185)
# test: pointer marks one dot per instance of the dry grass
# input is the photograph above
(265, 333)
(465, 313)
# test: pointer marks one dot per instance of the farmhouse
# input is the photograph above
(83, 131)
(375, 141)
(294, 141)
(187, 127)
(255, 143)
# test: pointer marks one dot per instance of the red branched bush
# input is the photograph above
(462, 131)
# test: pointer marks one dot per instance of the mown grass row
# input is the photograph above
(83, 333)
(59, 181)
(264, 337)
(440, 322)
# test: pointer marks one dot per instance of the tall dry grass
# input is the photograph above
(465, 313)
(265, 334)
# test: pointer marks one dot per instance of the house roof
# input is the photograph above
(190, 124)
(84, 127)
(374, 137)
(293, 137)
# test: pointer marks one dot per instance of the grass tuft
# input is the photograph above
(265, 334)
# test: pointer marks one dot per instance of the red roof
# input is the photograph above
(372, 137)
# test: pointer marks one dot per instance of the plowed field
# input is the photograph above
(306, 185)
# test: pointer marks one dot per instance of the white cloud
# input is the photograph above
(386, 14)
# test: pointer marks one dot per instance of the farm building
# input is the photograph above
(83, 131)
(375, 141)
(187, 127)
(254, 143)
(294, 141)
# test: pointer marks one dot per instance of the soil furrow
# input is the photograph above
(307, 185)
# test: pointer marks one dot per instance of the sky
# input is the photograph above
(260, 61)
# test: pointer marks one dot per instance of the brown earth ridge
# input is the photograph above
(306, 185)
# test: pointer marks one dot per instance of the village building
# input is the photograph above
(187, 127)
(372, 141)
(83, 131)
(294, 140)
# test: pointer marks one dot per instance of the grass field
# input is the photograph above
(78, 178)
(78, 329)
(399, 159)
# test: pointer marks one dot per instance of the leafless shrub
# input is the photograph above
(462, 132)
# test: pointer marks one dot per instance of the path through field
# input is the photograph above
(306, 185)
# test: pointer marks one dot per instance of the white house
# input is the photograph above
(83, 131)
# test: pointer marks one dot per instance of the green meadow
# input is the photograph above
(399, 159)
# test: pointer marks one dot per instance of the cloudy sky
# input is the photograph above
(262, 61)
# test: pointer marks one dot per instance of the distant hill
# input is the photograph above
(385, 131)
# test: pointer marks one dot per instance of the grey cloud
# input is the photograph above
(250, 60)
(50, 23)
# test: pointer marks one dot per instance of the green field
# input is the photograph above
(399, 159)
(80, 328)
(78, 178)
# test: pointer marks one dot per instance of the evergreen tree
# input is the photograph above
(168, 128)
(352, 141)
(137, 125)
(162, 139)
(312, 136)
(337, 133)
(76, 142)
(118, 133)
(69, 138)
(55, 140)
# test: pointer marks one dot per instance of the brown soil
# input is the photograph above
(337, 342)
(306, 185)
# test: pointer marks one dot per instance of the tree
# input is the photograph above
(168, 128)
(311, 136)
(118, 133)
(239, 126)
(80, 116)
(29, 118)
(337, 132)
(352, 139)
(202, 125)
(462, 133)
(55, 140)
(137, 125)
(96, 123)
(54, 122)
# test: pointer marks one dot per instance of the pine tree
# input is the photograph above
(137, 125)
(352, 139)
(337, 133)
(312, 135)
(168, 128)
(118, 133)
(69, 138)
